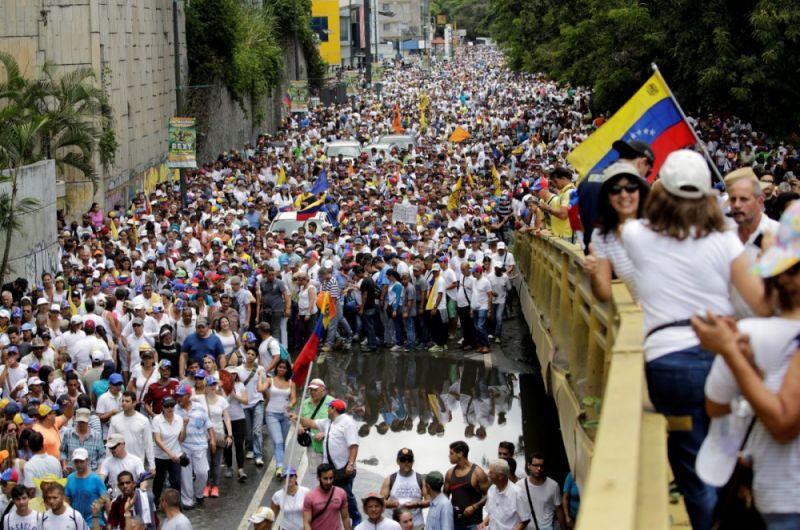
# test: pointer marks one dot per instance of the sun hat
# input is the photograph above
(785, 252)
(685, 174)
(263, 513)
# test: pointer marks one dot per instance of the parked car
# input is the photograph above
(349, 149)
(402, 141)
(288, 222)
(384, 150)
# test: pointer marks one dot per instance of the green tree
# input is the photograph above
(61, 117)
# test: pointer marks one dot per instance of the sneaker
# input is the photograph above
(491, 337)
(461, 340)
(214, 492)
(249, 455)
(365, 342)
(207, 491)
(497, 340)
(435, 348)
(260, 462)
(228, 472)
(242, 475)
(187, 507)
(396, 347)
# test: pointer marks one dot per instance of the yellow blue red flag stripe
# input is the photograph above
(650, 116)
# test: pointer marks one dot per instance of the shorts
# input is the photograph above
(452, 308)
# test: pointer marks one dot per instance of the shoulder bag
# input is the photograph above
(304, 438)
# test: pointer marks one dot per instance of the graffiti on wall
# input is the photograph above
(41, 257)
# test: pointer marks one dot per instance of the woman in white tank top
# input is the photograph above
(282, 396)
(228, 337)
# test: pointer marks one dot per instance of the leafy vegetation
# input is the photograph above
(727, 56)
(63, 117)
(239, 44)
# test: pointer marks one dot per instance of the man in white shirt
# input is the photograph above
(506, 508)
(82, 351)
(110, 403)
(40, 464)
(463, 302)
(501, 285)
(340, 448)
(481, 301)
(542, 495)
(119, 460)
(373, 508)
(135, 428)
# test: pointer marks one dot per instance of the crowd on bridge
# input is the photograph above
(163, 345)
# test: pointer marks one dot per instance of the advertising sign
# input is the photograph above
(182, 143)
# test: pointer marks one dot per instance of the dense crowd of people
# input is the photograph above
(163, 345)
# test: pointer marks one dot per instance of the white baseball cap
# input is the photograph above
(718, 454)
(685, 174)
(80, 454)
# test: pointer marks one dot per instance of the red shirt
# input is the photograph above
(156, 393)
(315, 502)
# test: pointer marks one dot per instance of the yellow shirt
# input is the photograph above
(561, 227)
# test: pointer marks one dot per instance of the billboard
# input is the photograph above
(182, 143)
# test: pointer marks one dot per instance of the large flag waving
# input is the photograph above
(650, 116)
(321, 184)
(307, 355)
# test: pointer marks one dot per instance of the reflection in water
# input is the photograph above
(425, 403)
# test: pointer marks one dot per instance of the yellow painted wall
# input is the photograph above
(330, 51)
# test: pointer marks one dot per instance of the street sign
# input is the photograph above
(182, 143)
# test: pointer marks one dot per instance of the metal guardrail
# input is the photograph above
(592, 358)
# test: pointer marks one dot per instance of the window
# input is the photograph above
(319, 25)
(387, 27)
(344, 29)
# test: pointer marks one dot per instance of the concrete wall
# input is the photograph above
(129, 45)
(34, 248)
(225, 124)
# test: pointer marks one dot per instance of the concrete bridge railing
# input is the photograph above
(592, 361)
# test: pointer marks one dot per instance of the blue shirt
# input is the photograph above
(440, 514)
(197, 428)
(197, 348)
(82, 492)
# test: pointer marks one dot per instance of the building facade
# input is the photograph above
(129, 45)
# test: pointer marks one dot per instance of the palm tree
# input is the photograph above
(65, 117)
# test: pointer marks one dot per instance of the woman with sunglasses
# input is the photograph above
(290, 502)
(217, 407)
(168, 428)
(282, 398)
(621, 198)
(237, 399)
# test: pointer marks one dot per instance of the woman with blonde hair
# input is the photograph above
(685, 262)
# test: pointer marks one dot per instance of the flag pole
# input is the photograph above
(702, 145)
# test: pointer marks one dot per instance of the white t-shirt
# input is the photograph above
(450, 277)
(70, 519)
(236, 409)
(113, 466)
(215, 413)
(607, 246)
(545, 498)
(343, 433)
(105, 404)
(480, 293)
(507, 508)
(267, 351)
(385, 524)
(39, 466)
(13, 521)
(179, 522)
(776, 466)
(291, 507)
(677, 280)
(137, 432)
(169, 435)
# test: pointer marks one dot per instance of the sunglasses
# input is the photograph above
(170, 406)
(405, 459)
(617, 189)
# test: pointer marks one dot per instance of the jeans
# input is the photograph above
(166, 468)
(676, 383)
(239, 428)
(388, 329)
(215, 463)
(411, 339)
(278, 428)
(399, 326)
(333, 325)
(467, 326)
(481, 336)
(499, 309)
(368, 322)
(781, 521)
(352, 505)
(254, 416)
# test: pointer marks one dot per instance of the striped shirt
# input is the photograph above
(332, 286)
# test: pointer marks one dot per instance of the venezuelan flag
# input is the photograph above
(311, 210)
(326, 307)
(650, 116)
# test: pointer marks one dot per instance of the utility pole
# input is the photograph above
(178, 89)
(367, 44)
